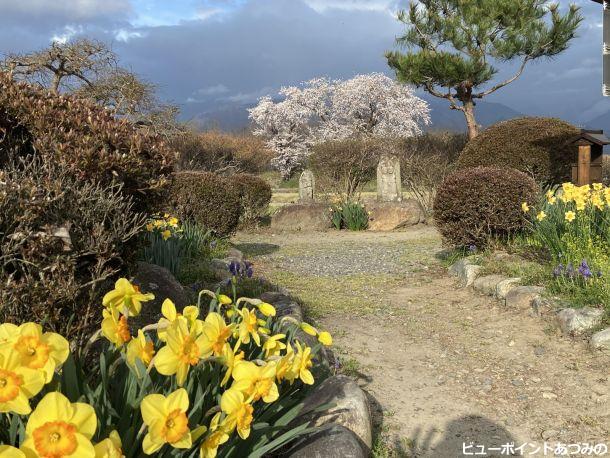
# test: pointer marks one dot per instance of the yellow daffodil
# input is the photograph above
(570, 216)
(598, 186)
(183, 350)
(166, 234)
(126, 298)
(248, 327)
(230, 359)
(115, 327)
(6, 451)
(284, 366)
(166, 420)
(266, 309)
(140, 349)
(239, 412)
(525, 207)
(217, 436)
(17, 383)
(150, 227)
(309, 329)
(224, 299)
(541, 215)
(41, 351)
(9, 332)
(216, 333)
(325, 338)
(256, 382)
(273, 345)
(110, 448)
(173, 221)
(58, 428)
(169, 312)
(302, 363)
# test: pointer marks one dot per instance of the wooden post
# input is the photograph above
(584, 164)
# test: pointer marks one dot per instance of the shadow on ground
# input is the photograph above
(461, 437)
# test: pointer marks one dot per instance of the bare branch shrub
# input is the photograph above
(342, 167)
(61, 238)
(222, 153)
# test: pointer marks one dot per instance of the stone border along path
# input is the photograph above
(571, 321)
(440, 365)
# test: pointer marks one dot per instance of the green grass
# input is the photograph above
(359, 294)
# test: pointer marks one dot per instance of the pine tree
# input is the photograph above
(452, 44)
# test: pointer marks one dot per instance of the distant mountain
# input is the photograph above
(600, 122)
(234, 117)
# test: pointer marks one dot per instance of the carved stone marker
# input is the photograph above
(307, 184)
(389, 188)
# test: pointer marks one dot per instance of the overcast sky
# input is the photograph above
(203, 53)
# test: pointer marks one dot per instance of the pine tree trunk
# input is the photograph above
(471, 122)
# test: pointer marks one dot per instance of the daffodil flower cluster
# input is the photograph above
(166, 225)
(572, 223)
(249, 357)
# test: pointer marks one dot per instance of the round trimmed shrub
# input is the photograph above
(540, 147)
(255, 194)
(207, 199)
(474, 205)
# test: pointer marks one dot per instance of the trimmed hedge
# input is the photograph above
(475, 205)
(255, 194)
(540, 147)
(84, 138)
(206, 199)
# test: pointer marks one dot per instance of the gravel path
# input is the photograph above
(443, 365)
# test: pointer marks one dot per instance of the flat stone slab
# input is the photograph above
(578, 321)
(521, 297)
(601, 340)
(488, 284)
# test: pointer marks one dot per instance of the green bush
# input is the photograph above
(474, 205)
(60, 240)
(88, 140)
(540, 147)
(344, 166)
(255, 196)
(206, 199)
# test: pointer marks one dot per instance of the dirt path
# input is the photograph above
(443, 365)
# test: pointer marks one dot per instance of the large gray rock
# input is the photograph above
(159, 281)
(312, 217)
(521, 297)
(578, 321)
(351, 408)
(389, 216)
(601, 340)
(332, 441)
(488, 284)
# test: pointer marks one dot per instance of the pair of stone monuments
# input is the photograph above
(389, 187)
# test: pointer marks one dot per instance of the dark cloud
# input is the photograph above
(257, 46)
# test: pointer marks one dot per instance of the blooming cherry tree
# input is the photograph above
(322, 109)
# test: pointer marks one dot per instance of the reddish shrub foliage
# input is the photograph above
(475, 205)
(86, 139)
